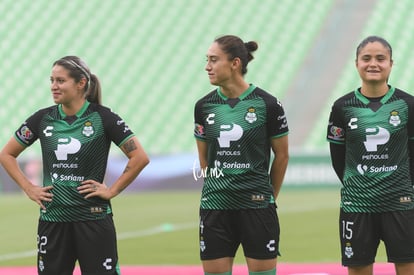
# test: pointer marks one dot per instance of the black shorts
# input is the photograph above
(222, 231)
(361, 233)
(92, 243)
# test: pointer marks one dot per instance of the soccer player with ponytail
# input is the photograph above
(75, 135)
(237, 126)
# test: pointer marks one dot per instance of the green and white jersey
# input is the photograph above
(238, 133)
(377, 176)
(74, 149)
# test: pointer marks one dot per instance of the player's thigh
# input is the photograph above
(56, 250)
(359, 237)
(97, 247)
(398, 236)
(260, 232)
(218, 234)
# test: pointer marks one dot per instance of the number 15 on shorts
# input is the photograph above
(347, 229)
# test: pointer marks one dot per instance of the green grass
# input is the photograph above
(160, 228)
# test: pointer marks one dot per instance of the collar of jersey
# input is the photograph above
(78, 114)
(367, 101)
(242, 96)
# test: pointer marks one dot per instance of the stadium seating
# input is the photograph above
(150, 55)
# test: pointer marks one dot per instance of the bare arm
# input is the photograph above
(137, 160)
(280, 162)
(8, 158)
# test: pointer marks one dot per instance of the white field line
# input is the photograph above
(162, 228)
(18, 255)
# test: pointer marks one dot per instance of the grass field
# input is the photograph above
(160, 228)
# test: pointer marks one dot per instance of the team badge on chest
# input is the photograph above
(395, 118)
(88, 129)
(251, 115)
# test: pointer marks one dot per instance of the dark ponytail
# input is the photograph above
(235, 47)
(94, 93)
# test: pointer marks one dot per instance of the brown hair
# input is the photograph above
(77, 70)
(371, 39)
(234, 47)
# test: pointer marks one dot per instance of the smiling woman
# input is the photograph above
(75, 136)
(371, 135)
(374, 62)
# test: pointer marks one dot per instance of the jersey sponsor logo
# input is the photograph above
(231, 165)
(229, 133)
(121, 122)
(67, 146)
(48, 131)
(375, 157)
(271, 245)
(284, 124)
(375, 137)
(65, 165)
(352, 123)
(71, 178)
(228, 153)
(210, 118)
(236, 165)
(278, 102)
(107, 264)
(54, 177)
(362, 169)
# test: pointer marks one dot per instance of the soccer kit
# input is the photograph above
(238, 132)
(74, 149)
(376, 176)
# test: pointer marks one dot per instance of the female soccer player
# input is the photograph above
(75, 135)
(237, 126)
(371, 135)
